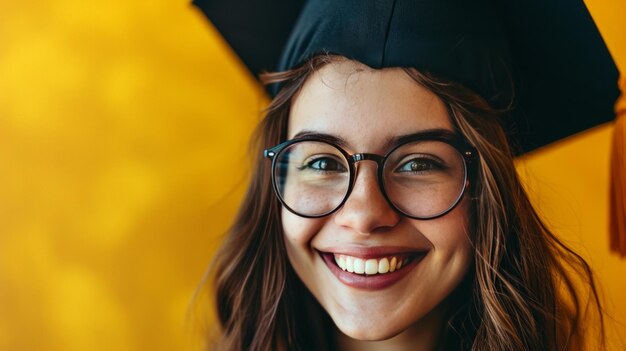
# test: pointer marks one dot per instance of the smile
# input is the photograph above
(372, 273)
(370, 266)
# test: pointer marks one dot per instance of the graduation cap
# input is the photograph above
(546, 59)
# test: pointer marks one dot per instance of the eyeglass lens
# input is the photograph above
(421, 179)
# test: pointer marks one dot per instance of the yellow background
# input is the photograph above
(123, 131)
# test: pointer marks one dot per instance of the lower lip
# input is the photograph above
(370, 282)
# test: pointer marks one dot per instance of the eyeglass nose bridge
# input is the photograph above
(367, 157)
(378, 159)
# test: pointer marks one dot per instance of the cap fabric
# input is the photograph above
(256, 29)
(465, 42)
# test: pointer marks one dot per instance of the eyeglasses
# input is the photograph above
(423, 177)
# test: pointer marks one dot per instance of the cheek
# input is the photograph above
(450, 238)
(297, 230)
(454, 228)
(298, 233)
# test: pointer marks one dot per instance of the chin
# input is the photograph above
(367, 331)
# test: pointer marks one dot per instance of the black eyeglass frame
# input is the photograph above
(465, 149)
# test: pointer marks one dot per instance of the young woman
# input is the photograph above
(384, 211)
(431, 245)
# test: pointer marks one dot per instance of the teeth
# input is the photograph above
(350, 264)
(392, 264)
(341, 262)
(383, 265)
(370, 266)
(359, 266)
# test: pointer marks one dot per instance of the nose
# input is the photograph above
(366, 210)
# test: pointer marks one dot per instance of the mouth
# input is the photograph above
(372, 273)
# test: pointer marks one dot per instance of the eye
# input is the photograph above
(420, 165)
(324, 164)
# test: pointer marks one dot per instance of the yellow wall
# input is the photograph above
(123, 128)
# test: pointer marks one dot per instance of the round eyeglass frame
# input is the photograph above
(466, 150)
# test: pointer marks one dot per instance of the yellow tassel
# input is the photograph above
(617, 210)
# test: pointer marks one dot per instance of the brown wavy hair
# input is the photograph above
(522, 293)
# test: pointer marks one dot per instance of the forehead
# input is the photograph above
(363, 106)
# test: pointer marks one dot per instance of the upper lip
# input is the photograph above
(373, 252)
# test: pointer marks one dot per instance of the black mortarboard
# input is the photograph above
(549, 55)
(546, 57)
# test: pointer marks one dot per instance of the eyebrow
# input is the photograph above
(389, 143)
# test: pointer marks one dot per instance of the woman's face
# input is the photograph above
(365, 109)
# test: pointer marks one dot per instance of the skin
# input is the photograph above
(365, 108)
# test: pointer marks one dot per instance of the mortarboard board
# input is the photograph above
(546, 58)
